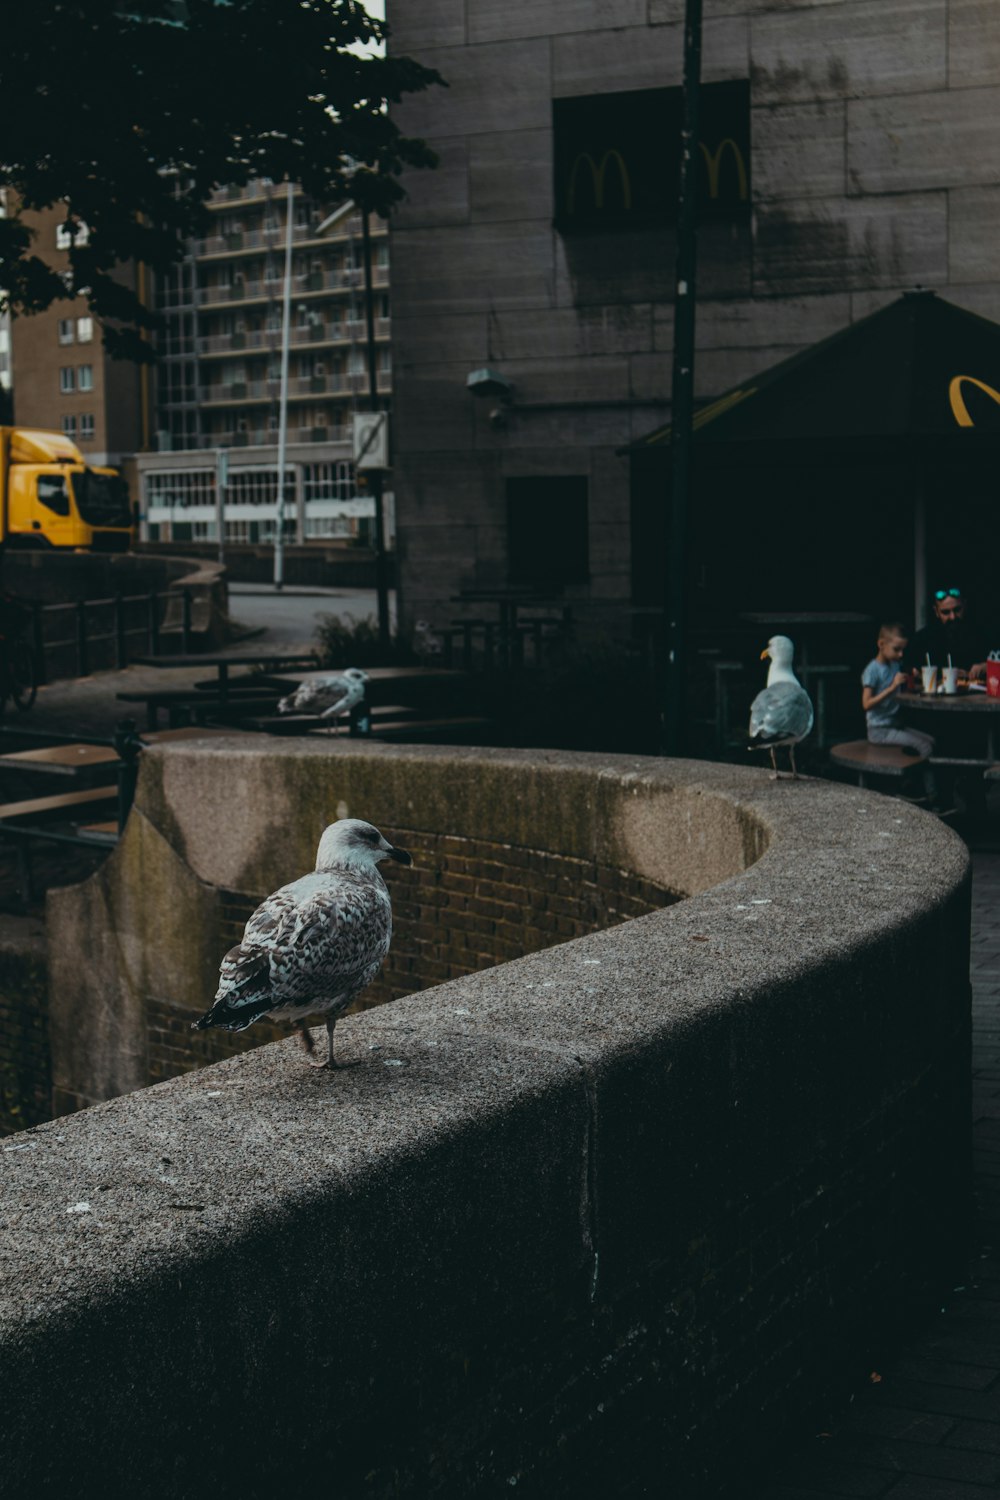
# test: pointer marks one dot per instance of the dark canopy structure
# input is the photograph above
(920, 372)
(850, 476)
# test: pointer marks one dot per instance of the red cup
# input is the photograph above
(993, 679)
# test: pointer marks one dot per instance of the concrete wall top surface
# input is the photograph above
(785, 879)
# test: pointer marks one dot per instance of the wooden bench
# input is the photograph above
(196, 706)
(303, 723)
(867, 760)
(21, 822)
(64, 801)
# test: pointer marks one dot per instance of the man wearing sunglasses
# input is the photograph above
(950, 633)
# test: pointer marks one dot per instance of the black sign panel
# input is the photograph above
(617, 158)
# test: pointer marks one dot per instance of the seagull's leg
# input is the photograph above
(774, 766)
(791, 757)
(305, 1037)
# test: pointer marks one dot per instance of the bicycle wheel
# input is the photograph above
(23, 687)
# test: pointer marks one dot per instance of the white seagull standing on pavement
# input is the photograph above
(781, 713)
(315, 944)
(329, 697)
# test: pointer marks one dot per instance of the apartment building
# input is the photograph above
(217, 383)
(215, 389)
(60, 375)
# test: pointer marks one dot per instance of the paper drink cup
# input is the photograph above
(928, 676)
(949, 676)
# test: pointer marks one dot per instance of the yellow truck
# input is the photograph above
(51, 497)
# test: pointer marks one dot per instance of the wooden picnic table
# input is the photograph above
(77, 760)
(222, 663)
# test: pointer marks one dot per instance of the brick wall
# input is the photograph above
(25, 1065)
(463, 905)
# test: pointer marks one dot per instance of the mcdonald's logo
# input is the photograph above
(598, 173)
(959, 409)
(713, 166)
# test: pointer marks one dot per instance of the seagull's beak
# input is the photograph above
(400, 855)
(765, 653)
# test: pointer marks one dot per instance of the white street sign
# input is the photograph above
(371, 440)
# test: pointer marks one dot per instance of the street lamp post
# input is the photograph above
(375, 475)
(286, 322)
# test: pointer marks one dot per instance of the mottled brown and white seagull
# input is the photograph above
(329, 697)
(315, 944)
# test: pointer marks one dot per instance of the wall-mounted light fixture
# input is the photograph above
(486, 383)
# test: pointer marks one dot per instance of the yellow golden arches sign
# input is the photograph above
(958, 406)
(598, 171)
(713, 166)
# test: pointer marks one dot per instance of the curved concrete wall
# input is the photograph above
(611, 1214)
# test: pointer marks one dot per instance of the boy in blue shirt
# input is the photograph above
(881, 682)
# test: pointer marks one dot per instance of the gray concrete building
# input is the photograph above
(848, 153)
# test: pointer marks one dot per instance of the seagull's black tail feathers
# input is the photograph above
(244, 993)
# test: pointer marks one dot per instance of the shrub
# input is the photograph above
(351, 643)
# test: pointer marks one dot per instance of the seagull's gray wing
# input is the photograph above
(353, 692)
(320, 938)
(783, 712)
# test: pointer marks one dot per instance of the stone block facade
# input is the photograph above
(873, 168)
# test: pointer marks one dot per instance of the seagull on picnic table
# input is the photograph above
(329, 697)
(315, 944)
(781, 713)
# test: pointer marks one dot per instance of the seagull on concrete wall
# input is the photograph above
(327, 697)
(315, 944)
(782, 713)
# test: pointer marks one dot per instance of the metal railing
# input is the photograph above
(486, 646)
(114, 621)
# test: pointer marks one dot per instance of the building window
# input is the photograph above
(69, 426)
(74, 233)
(84, 330)
(65, 330)
(547, 542)
(613, 168)
(87, 425)
(85, 378)
(67, 378)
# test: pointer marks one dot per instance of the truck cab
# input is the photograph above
(52, 498)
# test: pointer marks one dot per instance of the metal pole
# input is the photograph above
(286, 326)
(682, 391)
(375, 477)
(919, 554)
(221, 480)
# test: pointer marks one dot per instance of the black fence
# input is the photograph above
(72, 640)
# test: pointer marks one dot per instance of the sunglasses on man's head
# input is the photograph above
(940, 594)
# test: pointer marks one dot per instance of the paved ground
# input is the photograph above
(928, 1428)
(290, 616)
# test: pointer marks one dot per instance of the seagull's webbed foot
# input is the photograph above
(305, 1037)
(331, 1065)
